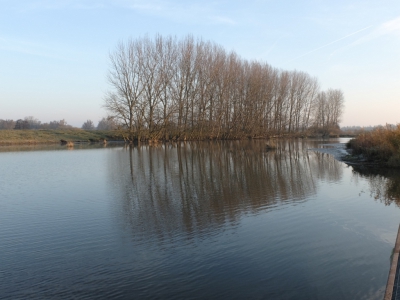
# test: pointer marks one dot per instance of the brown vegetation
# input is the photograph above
(381, 145)
(164, 88)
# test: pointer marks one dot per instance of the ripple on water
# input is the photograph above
(223, 220)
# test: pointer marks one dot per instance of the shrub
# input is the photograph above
(382, 144)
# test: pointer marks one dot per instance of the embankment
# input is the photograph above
(48, 136)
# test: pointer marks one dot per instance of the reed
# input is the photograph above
(381, 145)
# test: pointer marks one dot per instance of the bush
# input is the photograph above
(381, 145)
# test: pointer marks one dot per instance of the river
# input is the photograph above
(194, 220)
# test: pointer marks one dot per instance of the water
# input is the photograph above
(205, 220)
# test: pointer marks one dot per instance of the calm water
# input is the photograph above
(194, 220)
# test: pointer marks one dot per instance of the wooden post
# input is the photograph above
(393, 268)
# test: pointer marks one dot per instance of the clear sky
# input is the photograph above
(54, 54)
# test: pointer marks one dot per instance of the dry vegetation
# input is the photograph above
(381, 145)
(44, 136)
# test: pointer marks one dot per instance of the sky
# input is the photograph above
(54, 55)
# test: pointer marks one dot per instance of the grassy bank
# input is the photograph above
(53, 136)
(381, 146)
(44, 136)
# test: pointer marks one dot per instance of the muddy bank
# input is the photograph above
(338, 150)
(343, 154)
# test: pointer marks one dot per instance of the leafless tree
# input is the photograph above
(7, 124)
(192, 89)
(126, 78)
(88, 125)
(21, 124)
(33, 122)
(107, 123)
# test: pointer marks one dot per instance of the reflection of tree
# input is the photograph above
(326, 167)
(384, 183)
(191, 187)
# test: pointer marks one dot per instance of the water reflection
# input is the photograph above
(209, 220)
(192, 187)
(384, 184)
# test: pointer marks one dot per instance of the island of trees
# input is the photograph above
(186, 89)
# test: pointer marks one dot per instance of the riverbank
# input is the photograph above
(345, 153)
(337, 150)
(380, 147)
(49, 136)
(76, 135)
(341, 152)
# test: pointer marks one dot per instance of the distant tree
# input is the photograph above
(62, 124)
(7, 124)
(88, 125)
(54, 124)
(108, 123)
(33, 122)
(51, 125)
(21, 124)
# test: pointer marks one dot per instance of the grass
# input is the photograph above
(380, 146)
(49, 136)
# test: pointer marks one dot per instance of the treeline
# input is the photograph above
(33, 123)
(108, 123)
(166, 88)
(30, 122)
(356, 130)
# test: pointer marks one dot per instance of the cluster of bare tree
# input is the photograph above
(108, 123)
(356, 130)
(7, 124)
(88, 125)
(188, 89)
(33, 123)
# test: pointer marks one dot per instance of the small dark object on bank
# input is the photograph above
(270, 146)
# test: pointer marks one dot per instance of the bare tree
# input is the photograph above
(191, 89)
(33, 122)
(107, 123)
(88, 125)
(62, 124)
(7, 124)
(21, 124)
(126, 78)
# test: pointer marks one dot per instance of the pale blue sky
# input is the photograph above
(54, 54)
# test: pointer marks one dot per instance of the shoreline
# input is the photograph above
(80, 136)
(56, 136)
(343, 154)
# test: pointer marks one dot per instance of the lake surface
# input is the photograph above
(206, 220)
